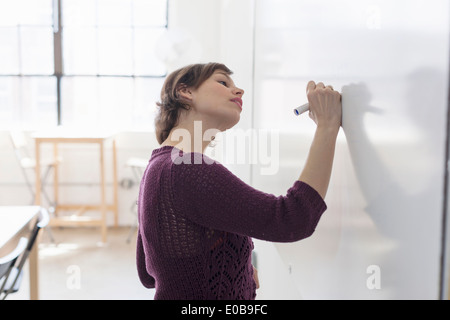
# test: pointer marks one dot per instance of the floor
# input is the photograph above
(78, 266)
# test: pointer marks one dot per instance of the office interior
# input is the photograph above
(79, 82)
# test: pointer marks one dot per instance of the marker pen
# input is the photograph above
(302, 109)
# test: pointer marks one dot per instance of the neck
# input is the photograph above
(191, 137)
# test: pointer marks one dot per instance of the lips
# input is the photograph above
(238, 101)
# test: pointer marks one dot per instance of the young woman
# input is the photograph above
(196, 218)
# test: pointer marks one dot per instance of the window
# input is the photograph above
(27, 87)
(80, 62)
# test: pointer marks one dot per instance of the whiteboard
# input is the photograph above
(381, 237)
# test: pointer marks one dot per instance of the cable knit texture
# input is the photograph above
(196, 220)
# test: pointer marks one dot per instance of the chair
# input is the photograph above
(7, 264)
(11, 282)
(28, 165)
(137, 166)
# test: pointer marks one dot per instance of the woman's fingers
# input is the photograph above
(320, 85)
(311, 86)
(325, 103)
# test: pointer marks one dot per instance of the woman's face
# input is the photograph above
(219, 100)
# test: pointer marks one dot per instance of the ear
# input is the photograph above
(184, 92)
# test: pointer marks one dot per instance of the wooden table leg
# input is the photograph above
(103, 191)
(115, 205)
(55, 178)
(33, 261)
(37, 199)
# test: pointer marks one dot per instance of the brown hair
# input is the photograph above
(171, 104)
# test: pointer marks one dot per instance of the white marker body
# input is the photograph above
(302, 109)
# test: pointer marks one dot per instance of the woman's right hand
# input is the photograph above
(325, 106)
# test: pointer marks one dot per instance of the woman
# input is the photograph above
(196, 218)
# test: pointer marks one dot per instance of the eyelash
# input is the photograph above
(223, 83)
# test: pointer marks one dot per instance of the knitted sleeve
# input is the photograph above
(212, 196)
(147, 280)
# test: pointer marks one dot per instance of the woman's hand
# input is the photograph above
(325, 106)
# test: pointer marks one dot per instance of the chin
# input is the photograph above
(228, 119)
(232, 122)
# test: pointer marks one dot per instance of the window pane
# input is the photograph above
(28, 102)
(9, 13)
(36, 44)
(39, 101)
(114, 12)
(79, 12)
(7, 102)
(97, 102)
(116, 102)
(9, 57)
(80, 50)
(26, 12)
(150, 13)
(36, 12)
(115, 51)
(79, 101)
(147, 93)
(119, 103)
(146, 61)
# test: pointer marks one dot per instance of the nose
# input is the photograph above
(238, 91)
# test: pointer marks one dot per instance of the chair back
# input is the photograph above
(11, 258)
(7, 262)
(44, 219)
(13, 284)
(18, 139)
(20, 145)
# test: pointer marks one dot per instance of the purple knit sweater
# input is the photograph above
(195, 224)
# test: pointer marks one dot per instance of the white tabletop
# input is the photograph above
(13, 219)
